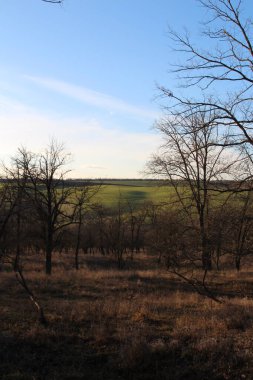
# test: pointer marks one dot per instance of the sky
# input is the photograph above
(86, 73)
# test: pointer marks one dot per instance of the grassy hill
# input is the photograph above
(111, 194)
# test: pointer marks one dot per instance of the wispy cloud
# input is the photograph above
(93, 98)
(97, 150)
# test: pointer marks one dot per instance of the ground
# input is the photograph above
(136, 323)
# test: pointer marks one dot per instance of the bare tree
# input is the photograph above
(239, 242)
(117, 228)
(82, 203)
(136, 221)
(228, 61)
(7, 206)
(47, 191)
(194, 166)
(10, 211)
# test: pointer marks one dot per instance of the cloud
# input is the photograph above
(94, 167)
(8, 105)
(93, 98)
(97, 150)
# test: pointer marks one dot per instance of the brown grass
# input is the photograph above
(136, 323)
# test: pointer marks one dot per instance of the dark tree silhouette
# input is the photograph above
(192, 164)
(227, 61)
(45, 188)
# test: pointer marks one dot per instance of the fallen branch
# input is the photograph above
(22, 281)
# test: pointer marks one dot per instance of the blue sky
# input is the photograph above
(85, 73)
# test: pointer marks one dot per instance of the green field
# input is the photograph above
(110, 194)
(136, 192)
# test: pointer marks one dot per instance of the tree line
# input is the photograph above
(203, 218)
(205, 224)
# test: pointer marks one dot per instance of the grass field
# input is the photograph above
(136, 192)
(138, 323)
(109, 195)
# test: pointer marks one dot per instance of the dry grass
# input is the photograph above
(137, 323)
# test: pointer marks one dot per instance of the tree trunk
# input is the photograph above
(206, 252)
(49, 249)
(77, 247)
(238, 262)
